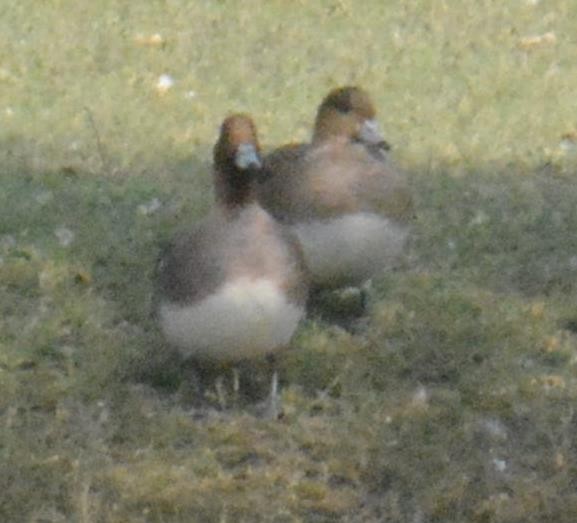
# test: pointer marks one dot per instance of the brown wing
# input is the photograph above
(305, 182)
(382, 189)
(188, 269)
(298, 279)
(283, 189)
(332, 179)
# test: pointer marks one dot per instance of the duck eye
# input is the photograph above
(343, 103)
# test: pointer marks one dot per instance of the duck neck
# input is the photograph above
(235, 190)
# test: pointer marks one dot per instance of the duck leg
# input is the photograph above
(235, 384)
(272, 408)
(220, 392)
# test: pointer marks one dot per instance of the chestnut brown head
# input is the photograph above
(348, 112)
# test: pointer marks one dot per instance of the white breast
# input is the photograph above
(243, 319)
(350, 249)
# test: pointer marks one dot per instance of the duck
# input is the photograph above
(233, 286)
(340, 194)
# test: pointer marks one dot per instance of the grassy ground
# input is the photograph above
(454, 403)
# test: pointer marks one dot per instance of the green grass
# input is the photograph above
(455, 402)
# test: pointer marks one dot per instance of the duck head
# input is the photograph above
(237, 161)
(348, 113)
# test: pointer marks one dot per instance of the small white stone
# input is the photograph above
(156, 39)
(421, 396)
(480, 218)
(189, 95)
(164, 84)
(149, 208)
(65, 236)
(499, 464)
(495, 428)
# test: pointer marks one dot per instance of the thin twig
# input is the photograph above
(105, 164)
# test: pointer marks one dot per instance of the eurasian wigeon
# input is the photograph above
(234, 286)
(348, 206)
